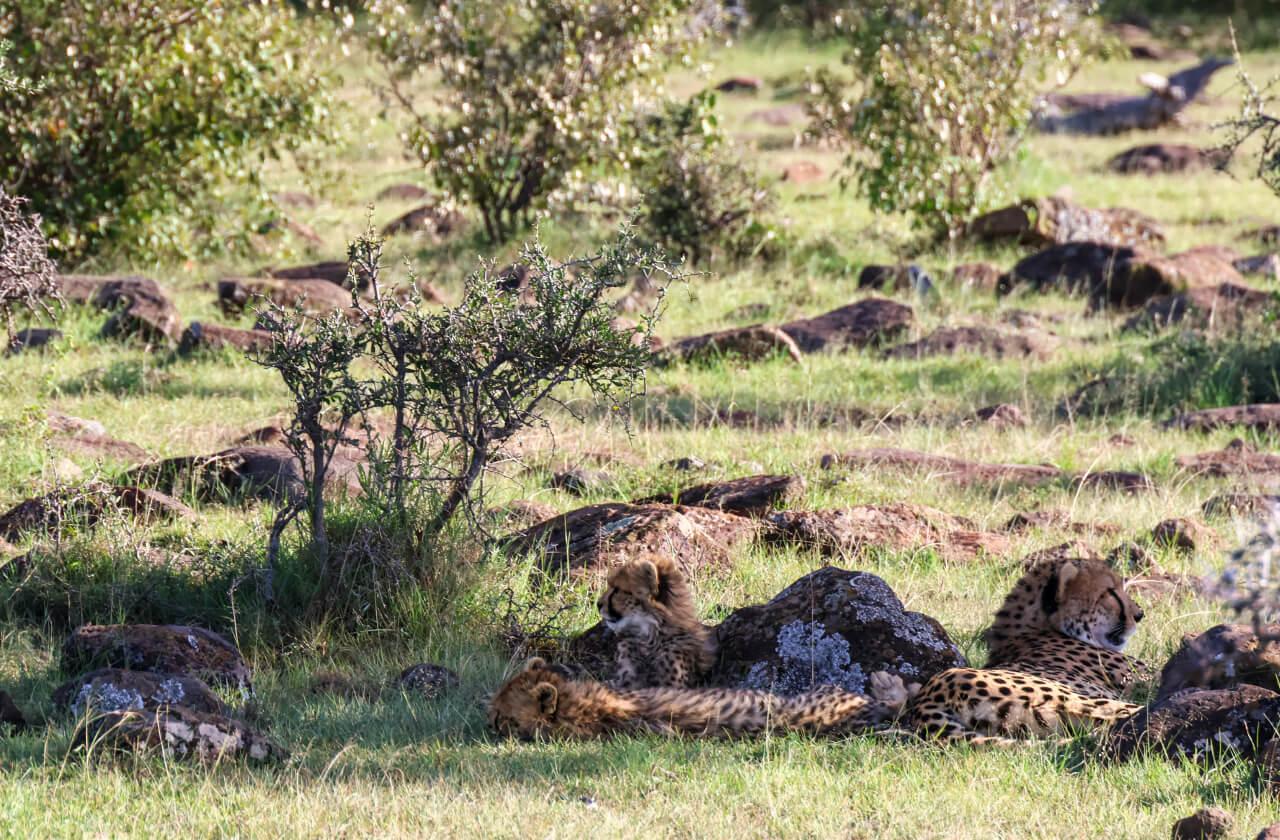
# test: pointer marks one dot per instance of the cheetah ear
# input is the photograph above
(1066, 574)
(1055, 588)
(535, 662)
(648, 572)
(546, 695)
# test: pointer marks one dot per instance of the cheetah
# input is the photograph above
(648, 607)
(543, 701)
(1054, 662)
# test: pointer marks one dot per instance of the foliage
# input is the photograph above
(811, 14)
(1256, 122)
(698, 196)
(145, 109)
(941, 96)
(534, 91)
(10, 82)
(27, 277)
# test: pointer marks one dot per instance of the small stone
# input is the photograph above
(1205, 824)
(427, 680)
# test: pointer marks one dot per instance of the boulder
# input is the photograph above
(314, 297)
(1054, 220)
(211, 337)
(1164, 158)
(1253, 505)
(427, 680)
(1073, 268)
(117, 690)
(983, 277)
(983, 341)
(11, 717)
(1205, 824)
(869, 322)
(754, 495)
(750, 344)
(271, 473)
(1221, 307)
(331, 271)
(163, 648)
(33, 338)
(87, 505)
(945, 467)
(598, 537)
(1199, 723)
(87, 288)
(1151, 276)
(1222, 657)
(1236, 458)
(1272, 780)
(436, 221)
(177, 732)
(140, 310)
(895, 527)
(830, 627)
(1002, 416)
(1263, 417)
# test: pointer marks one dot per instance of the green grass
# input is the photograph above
(405, 767)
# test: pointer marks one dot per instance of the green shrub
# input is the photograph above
(698, 197)
(535, 92)
(144, 109)
(941, 96)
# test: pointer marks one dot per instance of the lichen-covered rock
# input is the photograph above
(753, 495)
(118, 690)
(867, 323)
(1224, 656)
(830, 627)
(597, 537)
(1054, 220)
(895, 527)
(178, 732)
(164, 648)
(1205, 824)
(427, 680)
(1198, 723)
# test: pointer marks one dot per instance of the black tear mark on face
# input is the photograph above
(1049, 597)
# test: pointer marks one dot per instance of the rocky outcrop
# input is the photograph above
(850, 531)
(177, 732)
(754, 495)
(119, 690)
(162, 648)
(1220, 307)
(983, 341)
(868, 323)
(1222, 657)
(87, 505)
(1053, 220)
(749, 344)
(1236, 458)
(1199, 723)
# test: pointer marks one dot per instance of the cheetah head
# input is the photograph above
(644, 593)
(525, 706)
(1085, 600)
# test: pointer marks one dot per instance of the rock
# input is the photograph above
(687, 463)
(750, 344)
(901, 278)
(1054, 220)
(1122, 480)
(1182, 534)
(1164, 158)
(754, 495)
(1205, 824)
(213, 337)
(1236, 458)
(1265, 265)
(331, 271)
(983, 277)
(427, 680)
(944, 467)
(403, 192)
(140, 310)
(1073, 268)
(1269, 775)
(830, 627)
(271, 473)
(1223, 657)
(580, 482)
(895, 527)
(802, 172)
(116, 690)
(1199, 723)
(740, 84)
(984, 341)
(87, 288)
(1150, 276)
(597, 537)
(1002, 416)
(33, 338)
(87, 505)
(1271, 832)
(1054, 520)
(869, 322)
(436, 221)
(314, 297)
(1252, 505)
(1224, 307)
(11, 716)
(1263, 417)
(163, 648)
(178, 732)
(89, 439)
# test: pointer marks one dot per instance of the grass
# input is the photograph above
(406, 767)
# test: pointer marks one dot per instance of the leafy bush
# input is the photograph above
(698, 197)
(534, 91)
(143, 109)
(941, 96)
(810, 14)
(27, 277)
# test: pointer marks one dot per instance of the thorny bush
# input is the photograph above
(27, 277)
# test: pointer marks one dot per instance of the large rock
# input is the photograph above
(314, 297)
(211, 337)
(118, 690)
(1264, 417)
(597, 537)
(433, 220)
(895, 527)
(271, 473)
(1236, 458)
(1056, 221)
(1224, 656)
(1205, 824)
(33, 338)
(139, 309)
(89, 439)
(944, 467)
(1151, 276)
(331, 271)
(163, 648)
(984, 341)
(177, 732)
(101, 290)
(753, 495)
(750, 344)
(1221, 307)
(1164, 158)
(867, 323)
(1072, 268)
(1199, 723)
(87, 505)
(830, 627)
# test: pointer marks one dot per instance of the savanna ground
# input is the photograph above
(403, 766)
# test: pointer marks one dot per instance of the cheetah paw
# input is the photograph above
(889, 689)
